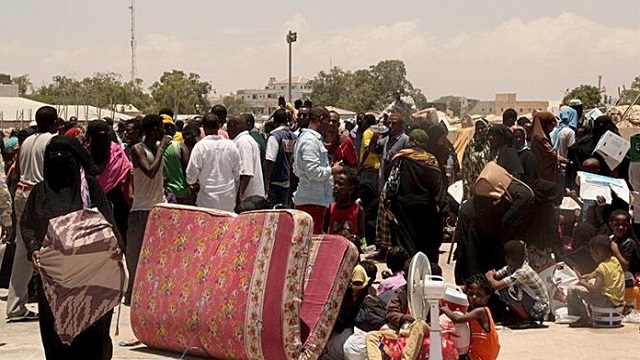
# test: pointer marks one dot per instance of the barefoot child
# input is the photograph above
(345, 216)
(520, 286)
(484, 338)
(607, 288)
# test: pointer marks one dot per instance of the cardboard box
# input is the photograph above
(612, 148)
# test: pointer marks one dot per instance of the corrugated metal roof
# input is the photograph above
(17, 108)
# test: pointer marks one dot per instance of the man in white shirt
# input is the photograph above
(251, 181)
(214, 168)
(30, 167)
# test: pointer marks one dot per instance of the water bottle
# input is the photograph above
(449, 169)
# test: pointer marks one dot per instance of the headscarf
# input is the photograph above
(73, 132)
(548, 191)
(541, 146)
(603, 124)
(504, 154)
(112, 162)
(434, 133)
(567, 117)
(583, 148)
(419, 138)
(65, 187)
(525, 145)
(504, 132)
(99, 143)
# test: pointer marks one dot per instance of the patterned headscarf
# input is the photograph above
(419, 138)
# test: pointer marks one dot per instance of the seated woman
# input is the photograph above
(68, 183)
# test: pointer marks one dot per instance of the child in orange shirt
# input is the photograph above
(484, 338)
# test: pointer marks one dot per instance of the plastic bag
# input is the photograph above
(355, 348)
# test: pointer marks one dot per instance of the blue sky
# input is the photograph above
(472, 48)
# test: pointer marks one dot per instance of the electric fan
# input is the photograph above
(424, 292)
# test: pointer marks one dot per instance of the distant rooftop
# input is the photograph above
(294, 80)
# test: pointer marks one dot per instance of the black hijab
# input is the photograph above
(99, 140)
(63, 159)
(548, 191)
(504, 153)
(583, 148)
(440, 151)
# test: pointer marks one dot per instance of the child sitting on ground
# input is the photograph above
(400, 324)
(520, 286)
(484, 338)
(396, 258)
(625, 249)
(607, 289)
(345, 216)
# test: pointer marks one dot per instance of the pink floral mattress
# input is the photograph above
(231, 287)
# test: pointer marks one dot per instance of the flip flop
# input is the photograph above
(129, 343)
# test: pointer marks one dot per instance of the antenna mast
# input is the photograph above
(133, 40)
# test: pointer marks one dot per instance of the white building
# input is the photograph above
(264, 101)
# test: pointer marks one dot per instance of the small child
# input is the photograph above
(396, 258)
(607, 289)
(520, 286)
(401, 324)
(625, 249)
(484, 338)
(345, 216)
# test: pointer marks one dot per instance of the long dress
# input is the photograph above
(47, 202)
(412, 201)
(484, 227)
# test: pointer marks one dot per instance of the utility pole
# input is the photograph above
(132, 9)
(291, 38)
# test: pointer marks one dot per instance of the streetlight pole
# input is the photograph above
(291, 38)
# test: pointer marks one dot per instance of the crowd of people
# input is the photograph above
(377, 180)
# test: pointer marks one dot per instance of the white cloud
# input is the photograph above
(537, 58)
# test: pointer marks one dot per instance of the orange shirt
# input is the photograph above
(484, 345)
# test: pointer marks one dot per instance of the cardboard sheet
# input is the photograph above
(593, 185)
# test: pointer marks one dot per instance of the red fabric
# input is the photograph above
(343, 219)
(176, 256)
(73, 132)
(317, 214)
(345, 152)
(331, 261)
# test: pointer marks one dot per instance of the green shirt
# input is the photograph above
(174, 173)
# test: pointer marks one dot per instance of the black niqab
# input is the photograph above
(99, 139)
(62, 176)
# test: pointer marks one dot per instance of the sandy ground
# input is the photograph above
(21, 341)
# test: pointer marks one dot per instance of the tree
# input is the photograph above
(329, 87)
(24, 84)
(588, 94)
(628, 95)
(360, 92)
(364, 89)
(391, 76)
(419, 99)
(453, 103)
(103, 90)
(236, 105)
(185, 94)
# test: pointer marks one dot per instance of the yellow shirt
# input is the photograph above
(373, 159)
(612, 280)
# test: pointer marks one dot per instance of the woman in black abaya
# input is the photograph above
(59, 194)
